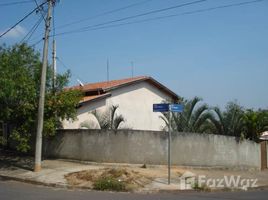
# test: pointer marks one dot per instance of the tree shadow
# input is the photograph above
(13, 161)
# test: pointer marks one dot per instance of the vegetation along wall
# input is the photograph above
(150, 147)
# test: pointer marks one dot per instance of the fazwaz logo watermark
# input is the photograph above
(189, 180)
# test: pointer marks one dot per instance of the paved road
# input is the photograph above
(10, 190)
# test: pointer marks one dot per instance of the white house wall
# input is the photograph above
(84, 116)
(135, 104)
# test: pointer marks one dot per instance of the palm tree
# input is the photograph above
(228, 122)
(115, 120)
(193, 118)
(108, 119)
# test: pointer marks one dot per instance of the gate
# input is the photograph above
(263, 155)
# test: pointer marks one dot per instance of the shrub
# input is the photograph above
(110, 184)
(196, 186)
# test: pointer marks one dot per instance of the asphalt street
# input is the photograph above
(11, 190)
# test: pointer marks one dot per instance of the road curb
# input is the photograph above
(64, 186)
(34, 182)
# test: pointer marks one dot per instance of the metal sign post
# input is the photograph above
(169, 148)
(164, 107)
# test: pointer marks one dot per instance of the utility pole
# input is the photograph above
(38, 147)
(54, 64)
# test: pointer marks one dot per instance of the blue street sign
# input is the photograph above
(161, 107)
(176, 107)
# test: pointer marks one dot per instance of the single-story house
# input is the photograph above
(133, 96)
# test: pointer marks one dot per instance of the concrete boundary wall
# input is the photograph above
(150, 147)
(267, 152)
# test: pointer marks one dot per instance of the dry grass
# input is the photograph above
(131, 178)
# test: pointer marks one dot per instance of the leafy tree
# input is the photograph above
(255, 122)
(263, 120)
(20, 69)
(236, 121)
(107, 120)
(193, 118)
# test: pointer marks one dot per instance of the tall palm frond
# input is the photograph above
(202, 124)
(191, 119)
(163, 117)
(109, 119)
(112, 109)
(117, 121)
(217, 119)
(102, 118)
(191, 106)
(230, 122)
(199, 117)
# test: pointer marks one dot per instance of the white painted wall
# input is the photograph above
(84, 116)
(150, 147)
(267, 152)
(135, 104)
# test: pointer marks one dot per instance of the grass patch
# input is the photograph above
(144, 166)
(110, 184)
(196, 186)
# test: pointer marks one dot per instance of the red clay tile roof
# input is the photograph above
(94, 97)
(106, 86)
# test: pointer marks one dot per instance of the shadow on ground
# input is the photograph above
(12, 161)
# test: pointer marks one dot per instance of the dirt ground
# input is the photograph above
(135, 176)
(65, 173)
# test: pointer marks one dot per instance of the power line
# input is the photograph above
(103, 14)
(180, 14)
(134, 16)
(14, 3)
(26, 16)
(99, 15)
(160, 18)
(32, 30)
(62, 63)
(57, 58)
(164, 17)
(36, 43)
(41, 10)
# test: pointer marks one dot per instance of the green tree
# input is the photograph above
(106, 120)
(193, 118)
(255, 122)
(20, 68)
(228, 122)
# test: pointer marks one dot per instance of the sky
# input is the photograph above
(220, 55)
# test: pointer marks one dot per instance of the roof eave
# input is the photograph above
(174, 96)
(95, 99)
